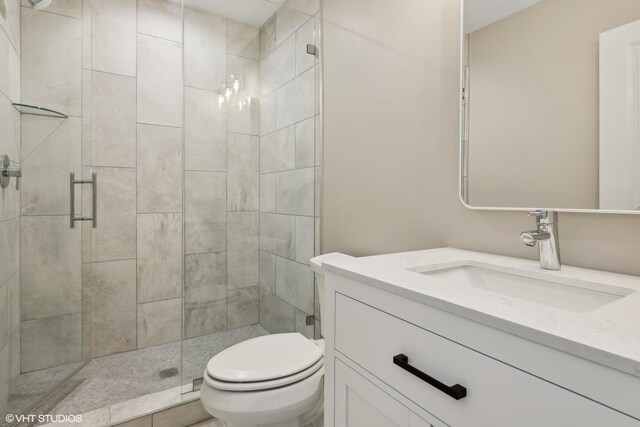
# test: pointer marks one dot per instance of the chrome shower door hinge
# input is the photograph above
(312, 49)
(310, 320)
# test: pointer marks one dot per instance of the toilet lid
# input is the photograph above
(264, 358)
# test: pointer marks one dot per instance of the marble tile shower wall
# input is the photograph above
(9, 199)
(217, 197)
(154, 180)
(289, 172)
(221, 175)
(168, 179)
(133, 268)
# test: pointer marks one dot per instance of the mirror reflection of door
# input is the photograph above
(550, 116)
(619, 109)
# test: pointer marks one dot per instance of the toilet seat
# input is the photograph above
(264, 363)
(264, 385)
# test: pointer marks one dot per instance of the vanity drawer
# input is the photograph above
(497, 395)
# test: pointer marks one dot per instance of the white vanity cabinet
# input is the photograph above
(391, 361)
(359, 402)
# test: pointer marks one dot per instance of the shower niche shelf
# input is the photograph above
(34, 110)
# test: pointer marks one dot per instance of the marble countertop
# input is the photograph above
(609, 335)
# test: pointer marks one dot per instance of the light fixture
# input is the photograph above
(233, 86)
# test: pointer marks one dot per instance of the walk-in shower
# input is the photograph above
(167, 205)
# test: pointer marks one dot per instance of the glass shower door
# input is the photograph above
(251, 141)
(48, 334)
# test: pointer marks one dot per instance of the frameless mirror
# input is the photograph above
(551, 105)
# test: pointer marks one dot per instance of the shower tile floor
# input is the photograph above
(33, 386)
(122, 377)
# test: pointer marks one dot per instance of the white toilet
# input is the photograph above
(275, 380)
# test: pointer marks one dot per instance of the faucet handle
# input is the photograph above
(544, 217)
(528, 239)
(539, 216)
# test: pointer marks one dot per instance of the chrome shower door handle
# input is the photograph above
(94, 198)
(72, 200)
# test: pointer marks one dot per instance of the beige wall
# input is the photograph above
(534, 93)
(391, 145)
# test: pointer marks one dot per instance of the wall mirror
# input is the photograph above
(551, 105)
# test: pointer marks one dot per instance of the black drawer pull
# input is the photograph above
(456, 391)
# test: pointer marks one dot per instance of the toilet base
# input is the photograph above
(319, 422)
(314, 418)
(288, 423)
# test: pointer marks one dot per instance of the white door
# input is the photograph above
(359, 403)
(619, 109)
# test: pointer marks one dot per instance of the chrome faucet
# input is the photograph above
(546, 237)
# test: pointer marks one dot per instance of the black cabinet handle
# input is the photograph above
(456, 391)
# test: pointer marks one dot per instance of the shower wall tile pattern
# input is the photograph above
(205, 293)
(159, 81)
(178, 174)
(159, 156)
(222, 175)
(205, 133)
(159, 257)
(133, 271)
(135, 141)
(52, 80)
(205, 50)
(9, 201)
(205, 212)
(113, 310)
(288, 167)
(114, 34)
(113, 120)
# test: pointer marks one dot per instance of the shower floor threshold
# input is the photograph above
(135, 408)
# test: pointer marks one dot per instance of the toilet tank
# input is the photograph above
(316, 265)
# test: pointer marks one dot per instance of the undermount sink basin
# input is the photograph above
(555, 291)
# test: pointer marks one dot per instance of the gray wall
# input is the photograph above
(391, 90)
(289, 118)
(9, 200)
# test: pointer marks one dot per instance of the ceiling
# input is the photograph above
(481, 13)
(250, 12)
